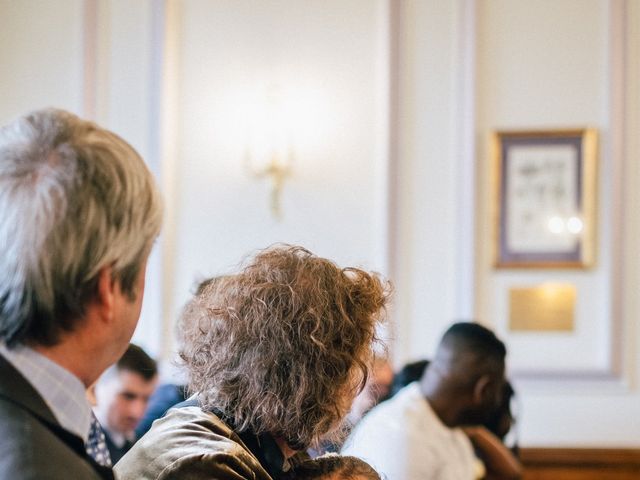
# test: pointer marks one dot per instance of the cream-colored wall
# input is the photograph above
(541, 64)
(393, 173)
(549, 64)
(424, 237)
(96, 59)
(32, 74)
(325, 56)
(541, 71)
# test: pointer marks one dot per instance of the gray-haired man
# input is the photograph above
(79, 212)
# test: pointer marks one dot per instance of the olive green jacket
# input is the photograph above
(189, 444)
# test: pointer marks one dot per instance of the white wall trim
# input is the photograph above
(155, 85)
(613, 148)
(464, 143)
(393, 19)
(167, 20)
(392, 156)
(617, 151)
(89, 59)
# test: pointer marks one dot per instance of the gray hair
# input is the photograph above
(74, 198)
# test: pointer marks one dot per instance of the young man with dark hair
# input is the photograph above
(122, 395)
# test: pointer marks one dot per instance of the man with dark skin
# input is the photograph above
(462, 389)
(416, 434)
(464, 382)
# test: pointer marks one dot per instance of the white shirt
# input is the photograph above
(404, 439)
(118, 439)
(62, 391)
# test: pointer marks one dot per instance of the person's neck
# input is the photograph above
(443, 405)
(75, 356)
(286, 450)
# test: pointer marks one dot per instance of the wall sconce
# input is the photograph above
(271, 126)
(276, 170)
(277, 123)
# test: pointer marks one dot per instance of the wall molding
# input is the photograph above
(167, 22)
(613, 154)
(464, 146)
(617, 151)
(89, 59)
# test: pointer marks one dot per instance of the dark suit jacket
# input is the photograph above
(116, 452)
(33, 445)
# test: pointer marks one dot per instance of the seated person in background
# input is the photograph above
(276, 355)
(416, 435)
(411, 372)
(333, 467)
(499, 424)
(376, 389)
(122, 394)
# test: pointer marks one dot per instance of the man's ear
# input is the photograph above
(105, 295)
(482, 389)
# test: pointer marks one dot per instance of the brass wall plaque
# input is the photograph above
(546, 307)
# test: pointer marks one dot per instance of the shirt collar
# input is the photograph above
(62, 391)
(117, 438)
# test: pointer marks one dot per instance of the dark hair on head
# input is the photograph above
(473, 337)
(136, 360)
(411, 372)
(278, 346)
(344, 467)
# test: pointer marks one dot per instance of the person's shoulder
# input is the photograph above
(392, 423)
(30, 450)
(193, 421)
(207, 465)
(20, 426)
(189, 442)
(190, 427)
(380, 427)
(396, 410)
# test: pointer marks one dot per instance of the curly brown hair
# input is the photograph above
(277, 346)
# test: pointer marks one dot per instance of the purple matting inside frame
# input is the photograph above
(507, 256)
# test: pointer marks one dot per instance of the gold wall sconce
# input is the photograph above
(271, 121)
(279, 124)
(277, 169)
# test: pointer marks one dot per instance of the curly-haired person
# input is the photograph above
(275, 354)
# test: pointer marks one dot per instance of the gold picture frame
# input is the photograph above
(545, 198)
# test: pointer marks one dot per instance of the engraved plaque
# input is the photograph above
(546, 307)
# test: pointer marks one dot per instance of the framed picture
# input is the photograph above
(545, 198)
